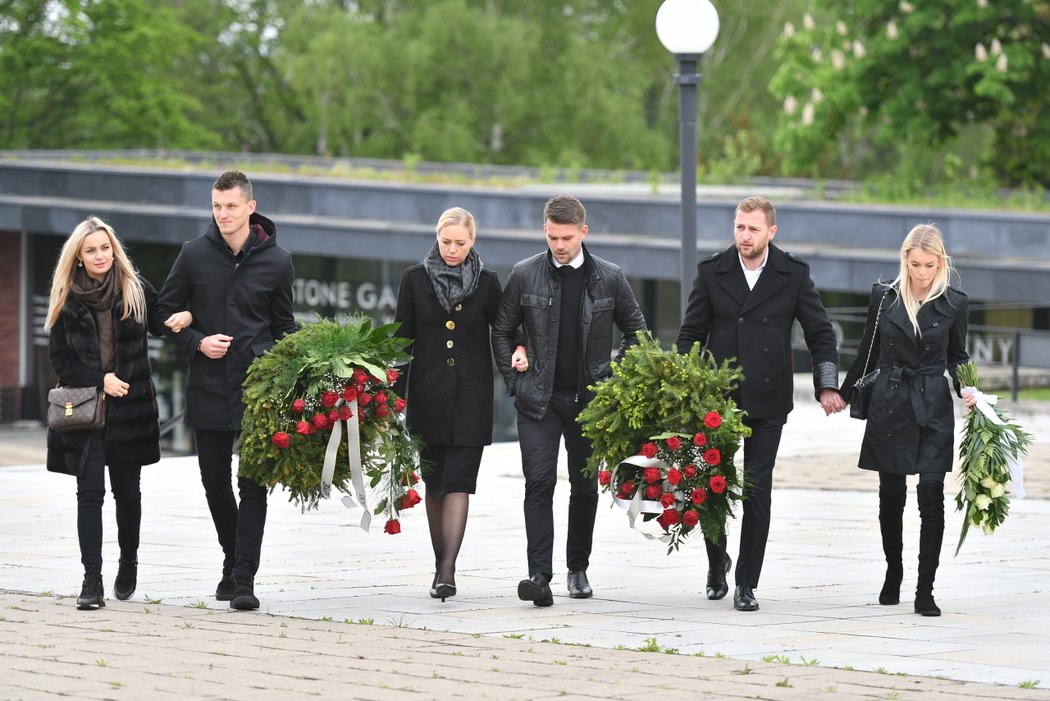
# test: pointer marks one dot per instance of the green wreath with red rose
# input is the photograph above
(324, 379)
(665, 432)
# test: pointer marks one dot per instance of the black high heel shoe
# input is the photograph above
(443, 591)
(433, 587)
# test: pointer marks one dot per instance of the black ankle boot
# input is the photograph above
(224, 592)
(931, 535)
(244, 596)
(91, 593)
(127, 578)
(891, 516)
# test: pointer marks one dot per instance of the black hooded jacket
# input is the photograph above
(249, 299)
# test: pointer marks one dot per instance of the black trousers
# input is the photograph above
(91, 491)
(760, 456)
(240, 530)
(539, 440)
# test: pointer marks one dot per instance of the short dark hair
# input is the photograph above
(756, 204)
(231, 179)
(565, 209)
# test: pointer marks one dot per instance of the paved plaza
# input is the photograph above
(347, 614)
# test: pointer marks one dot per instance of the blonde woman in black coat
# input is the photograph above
(97, 319)
(447, 304)
(920, 332)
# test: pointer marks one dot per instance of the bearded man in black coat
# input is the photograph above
(743, 304)
(238, 282)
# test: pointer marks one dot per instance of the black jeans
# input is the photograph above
(91, 491)
(240, 530)
(539, 439)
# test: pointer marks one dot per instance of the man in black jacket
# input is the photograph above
(563, 303)
(743, 304)
(238, 283)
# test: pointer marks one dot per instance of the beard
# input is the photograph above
(756, 252)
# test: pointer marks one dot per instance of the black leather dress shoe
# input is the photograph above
(744, 598)
(443, 591)
(579, 587)
(536, 589)
(717, 587)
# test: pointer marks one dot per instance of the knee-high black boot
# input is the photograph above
(931, 535)
(891, 517)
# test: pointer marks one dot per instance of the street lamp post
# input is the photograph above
(687, 28)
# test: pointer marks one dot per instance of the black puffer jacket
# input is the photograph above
(132, 435)
(528, 313)
(250, 300)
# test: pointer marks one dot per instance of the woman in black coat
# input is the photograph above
(97, 321)
(916, 329)
(447, 304)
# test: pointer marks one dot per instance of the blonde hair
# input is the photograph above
(754, 204)
(131, 291)
(927, 238)
(457, 215)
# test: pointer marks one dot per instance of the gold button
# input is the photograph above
(451, 362)
(448, 344)
(459, 307)
(450, 325)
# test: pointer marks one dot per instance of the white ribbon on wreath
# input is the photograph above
(357, 478)
(984, 405)
(638, 505)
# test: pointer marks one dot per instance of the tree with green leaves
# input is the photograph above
(925, 88)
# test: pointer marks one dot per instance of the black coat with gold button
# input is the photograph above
(448, 384)
(911, 417)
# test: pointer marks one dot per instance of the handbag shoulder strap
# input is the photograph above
(874, 330)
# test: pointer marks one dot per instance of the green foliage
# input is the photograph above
(879, 82)
(109, 73)
(664, 433)
(308, 383)
(652, 391)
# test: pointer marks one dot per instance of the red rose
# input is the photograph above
(360, 377)
(699, 440)
(410, 499)
(667, 500)
(333, 416)
(627, 488)
(690, 518)
(380, 397)
(363, 398)
(690, 471)
(391, 376)
(399, 405)
(674, 476)
(393, 527)
(674, 442)
(349, 393)
(382, 410)
(712, 456)
(712, 420)
(320, 420)
(699, 496)
(328, 399)
(604, 477)
(717, 484)
(302, 428)
(649, 450)
(345, 413)
(281, 439)
(415, 477)
(298, 406)
(651, 474)
(653, 491)
(670, 516)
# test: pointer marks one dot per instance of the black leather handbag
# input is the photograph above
(76, 409)
(860, 394)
